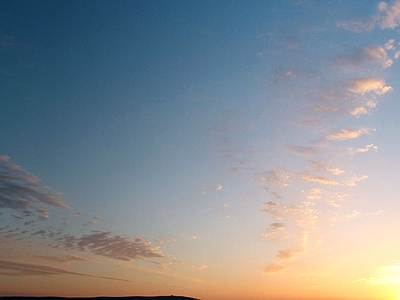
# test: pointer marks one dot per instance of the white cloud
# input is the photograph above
(367, 55)
(389, 45)
(345, 134)
(379, 53)
(389, 15)
(354, 179)
(362, 86)
(322, 167)
(353, 214)
(366, 148)
(302, 215)
(357, 111)
(218, 187)
(314, 194)
(318, 179)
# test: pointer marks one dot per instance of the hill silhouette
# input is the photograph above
(171, 297)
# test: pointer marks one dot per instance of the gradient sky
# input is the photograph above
(214, 149)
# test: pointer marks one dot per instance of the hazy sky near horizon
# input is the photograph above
(214, 149)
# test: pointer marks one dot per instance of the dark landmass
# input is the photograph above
(99, 298)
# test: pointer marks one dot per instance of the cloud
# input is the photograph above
(366, 148)
(366, 55)
(389, 45)
(314, 194)
(276, 231)
(20, 190)
(67, 259)
(10, 268)
(317, 179)
(353, 214)
(379, 54)
(302, 215)
(94, 220)
(288, 254)
(302, 150)
(202, 266)
(389, 15)
(354, 179)
(275, 209)
(322, 167)
(345, 134)
(357, 25)
(386, 17)
(278, 177)
(385, 275)
(362, 86)
(274, 268)
(358, 111)
(112, 246)
(274, 194)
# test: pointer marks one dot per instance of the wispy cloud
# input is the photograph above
(28, 201)
(359, 58)
(320, 166)
(315, 194)
(278, 177)
(20, 190)
(202, 266)
(389, 15)
(274, 268)
(66, 259)
(385, 275)
(10, 268)
(277, 231)
(288, 254)
(352, 181)
(307, 193)
(302, 150)
(369, 84)
(112, 246)
(345, 134)
(93, 221)
(386, 17)
(366, 148)
(318, 179)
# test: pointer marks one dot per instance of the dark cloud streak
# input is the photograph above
(10, 268)
(20, 190)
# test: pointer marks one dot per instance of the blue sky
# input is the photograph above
(219, 150)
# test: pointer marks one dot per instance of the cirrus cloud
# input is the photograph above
(345, 134)
(20, 190)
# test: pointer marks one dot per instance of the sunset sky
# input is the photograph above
(223, 150)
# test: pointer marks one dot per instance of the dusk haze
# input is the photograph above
(215, 150)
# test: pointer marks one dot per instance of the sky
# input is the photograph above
(214, 149)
